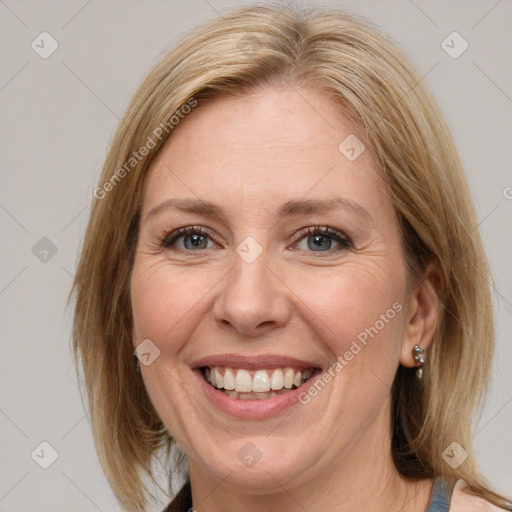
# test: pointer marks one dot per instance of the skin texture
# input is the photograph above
(250, 155)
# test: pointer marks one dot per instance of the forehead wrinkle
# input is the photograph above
(290, 208)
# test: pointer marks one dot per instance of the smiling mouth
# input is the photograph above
(242, 384)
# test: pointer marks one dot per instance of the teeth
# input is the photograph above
(264, 383)
(261, 382)
(288, 378)
(243, 382)
(254, 396)
(210, 376)
(277, 380)
(229, 379)
(307, 374)
(219, 381)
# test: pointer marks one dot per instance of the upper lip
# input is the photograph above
(253, 362)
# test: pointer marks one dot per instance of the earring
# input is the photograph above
(420, 357)
(136, 361)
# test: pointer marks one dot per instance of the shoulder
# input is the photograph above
(462, 501)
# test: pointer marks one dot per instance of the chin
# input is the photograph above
(258, 465)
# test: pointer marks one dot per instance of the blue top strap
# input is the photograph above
(441, 497)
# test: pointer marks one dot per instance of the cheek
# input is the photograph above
(164, 301)
(357, 310)
(359, 317)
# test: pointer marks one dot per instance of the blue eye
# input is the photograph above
(194, 238)
(320, 239)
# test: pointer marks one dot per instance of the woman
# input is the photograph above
(280, 238)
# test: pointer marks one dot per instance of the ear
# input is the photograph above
(422, 316)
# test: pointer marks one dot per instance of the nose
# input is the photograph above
(253, 299)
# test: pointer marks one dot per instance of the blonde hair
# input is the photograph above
(344, 58)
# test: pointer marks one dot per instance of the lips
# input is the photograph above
(254, 377)
(254, 386)
(254, 362)
(252, 406)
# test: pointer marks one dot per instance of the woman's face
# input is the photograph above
(253, 294)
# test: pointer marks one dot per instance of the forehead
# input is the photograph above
(273, 145)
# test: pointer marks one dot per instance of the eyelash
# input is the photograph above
(170, 238)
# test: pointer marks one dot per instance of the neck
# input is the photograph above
(362, 478)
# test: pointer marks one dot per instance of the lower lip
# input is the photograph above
(253, 409)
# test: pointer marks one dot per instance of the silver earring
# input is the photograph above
(420, 357)
(136, 361)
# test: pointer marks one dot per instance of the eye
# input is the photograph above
(194, 238)
(320, 239)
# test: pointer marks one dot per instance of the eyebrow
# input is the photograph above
(293, 207)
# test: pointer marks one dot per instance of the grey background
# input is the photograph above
(58, 116)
